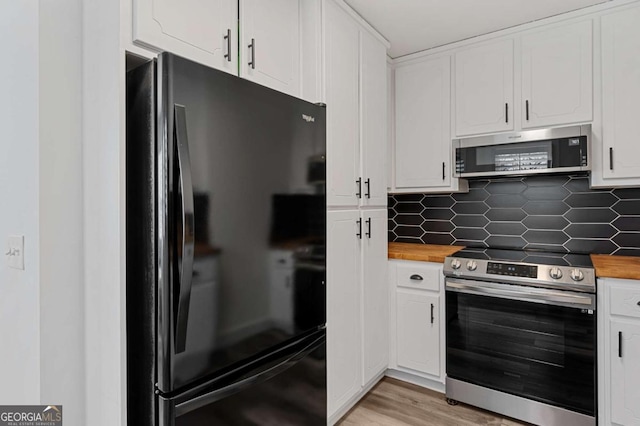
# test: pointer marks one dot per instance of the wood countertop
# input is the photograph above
(608, 266)
(421, 252)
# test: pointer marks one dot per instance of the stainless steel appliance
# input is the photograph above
(562, 149)
(217, 172)
(521, 334)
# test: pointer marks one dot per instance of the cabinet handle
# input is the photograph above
(526, 104)
(368, 183)
(619, 344)
(228, 39)
(639, 303)
(359, 234)
(416, 277)
(432, 313)
(443, 169)
(252, 46)
(506, 113)
(359, 183)
(610, 158)
(368, 228)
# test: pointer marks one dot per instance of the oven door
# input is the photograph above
(534, 343)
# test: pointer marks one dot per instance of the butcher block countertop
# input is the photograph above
(607, 266)
(421, 252)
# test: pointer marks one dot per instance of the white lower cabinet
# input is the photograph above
(417, 331)
(357, 305)
(619, 352)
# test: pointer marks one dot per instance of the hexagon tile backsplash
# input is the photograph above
(549, 213)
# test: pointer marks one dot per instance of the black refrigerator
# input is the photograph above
(226, 230)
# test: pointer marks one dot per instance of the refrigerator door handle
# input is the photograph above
(218, 394)
(186, 259)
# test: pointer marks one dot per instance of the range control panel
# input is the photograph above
(512, 270)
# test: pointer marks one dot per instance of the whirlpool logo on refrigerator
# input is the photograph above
(308, 118)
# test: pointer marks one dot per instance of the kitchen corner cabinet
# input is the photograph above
(355, 92)
(270, 43)
(619, 369)
(207, 31)
(484, 88)
(557, 80)
(357, 305)
(202, 30)
(423, 156)
(620, 36)
(417, 346)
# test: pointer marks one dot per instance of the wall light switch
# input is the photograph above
(14, 252)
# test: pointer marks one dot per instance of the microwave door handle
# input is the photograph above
(186, 259)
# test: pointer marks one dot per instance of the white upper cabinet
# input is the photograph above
(373, 101)
(202, 30)
(621, 95)
(270, 44)
(557, 81)
(423, 136)
(484, 88)
(342, 40)
(355, 71)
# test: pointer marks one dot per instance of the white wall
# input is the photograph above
(61, 218)
(42, 307)
(19, 290)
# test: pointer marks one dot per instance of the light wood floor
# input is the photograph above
(395, 403)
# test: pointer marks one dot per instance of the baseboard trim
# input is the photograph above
(416, 380)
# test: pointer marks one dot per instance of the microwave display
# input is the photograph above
(523, 157)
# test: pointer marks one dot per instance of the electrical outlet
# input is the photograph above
(14, 253)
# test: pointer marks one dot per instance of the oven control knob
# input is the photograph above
(472, 265)
(455, 264)
(555, 273)
(577, 275)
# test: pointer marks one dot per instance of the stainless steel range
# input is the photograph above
(521, 334)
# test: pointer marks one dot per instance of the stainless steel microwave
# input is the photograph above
(562, 149)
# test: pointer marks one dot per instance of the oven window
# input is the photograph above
(541, 352)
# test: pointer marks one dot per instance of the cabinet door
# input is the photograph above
(625, 373)
(375, 302)
(484, 89)
(373, 101)
(418, 331)
(281, 298)
(194, 29)
(557, 80)
(423, 124)
(270, 44)
(341, 36)
(621, 94)
(344, 338)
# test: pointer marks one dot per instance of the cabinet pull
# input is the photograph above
(639, 303)
(619, 344)
(526, 104)
(506, 113)
(252, 46)
(359, 183)
(368, 234)
(368, 183)
(228, 39)
(443, 171)
(416, 277)
(359, 234)
(432, 313)
(610, 158)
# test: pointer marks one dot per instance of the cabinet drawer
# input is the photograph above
(625, 301)
(425, 277)
(281, 258)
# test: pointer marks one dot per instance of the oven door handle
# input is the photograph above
(522, 293)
